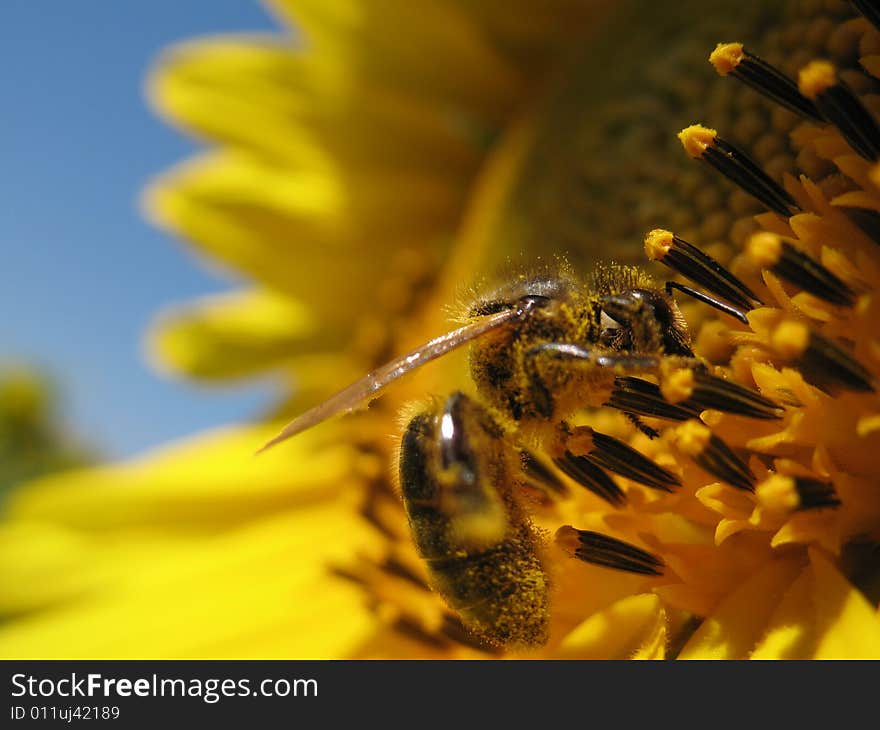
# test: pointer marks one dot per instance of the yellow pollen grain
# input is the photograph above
(777, 493)
(764, 249)
(726, 57)
(696, 138)
(816, 77)
(791, 339)
(658, 243)
(677, 385)
(693, 437)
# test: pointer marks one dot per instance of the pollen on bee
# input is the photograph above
(479, 531)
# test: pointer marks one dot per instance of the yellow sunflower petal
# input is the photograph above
(402, 43)
(732, 631)
(633, 626)
(206, 483)
(847, 625)
(788, 632)
(235, 335)
(147, 592)
(263, 95)
(236, 210)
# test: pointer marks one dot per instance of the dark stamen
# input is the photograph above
(642, 397)
(870, 9)
(712, 392)
(769, 251)
(540, 475)
(733, 59)
(714, 456)
(616, 456)
(815, 494)
(689, 261)
(822, 361)
(838, 103)
(590, 476)
(705, 144)
(609, 552)
(833, 362)
(867, 221)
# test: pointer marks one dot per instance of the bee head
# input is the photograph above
(644, 320)
(524, 294)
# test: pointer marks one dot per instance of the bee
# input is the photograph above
(542, 347)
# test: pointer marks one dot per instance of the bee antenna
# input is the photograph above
(708, 299)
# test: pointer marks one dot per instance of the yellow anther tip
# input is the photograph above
(657, 243)
(696, 138)
(726, 57)
(816, 77)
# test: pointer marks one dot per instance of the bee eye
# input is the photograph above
(606, 322)
(531, 302)
(623, 307)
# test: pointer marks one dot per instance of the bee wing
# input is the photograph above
(369, 386)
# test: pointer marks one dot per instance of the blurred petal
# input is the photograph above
(204, 484)
(739, 621)
(142, 596)
(403, 44)
(236, 335)
(263, 95)
(298, 234)
(847, 625)
(632, 627)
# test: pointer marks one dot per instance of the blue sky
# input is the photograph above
(81, 272)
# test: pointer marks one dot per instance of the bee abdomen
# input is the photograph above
(478, 546)
(501, 594)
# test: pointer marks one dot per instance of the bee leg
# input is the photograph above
(570, 351)
(540, 394)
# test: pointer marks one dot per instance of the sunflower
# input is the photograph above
(356, 175)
